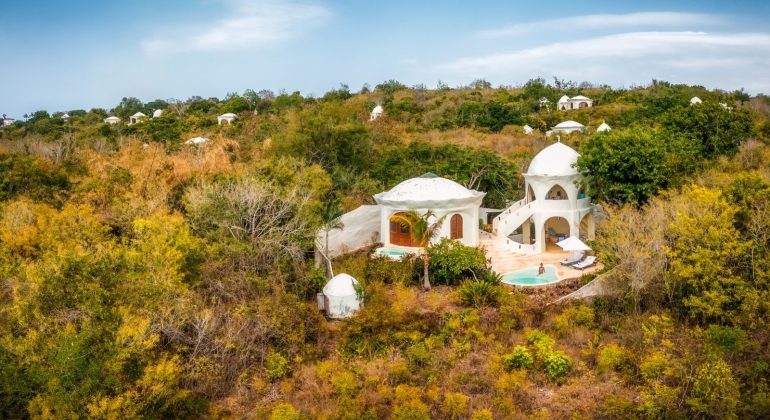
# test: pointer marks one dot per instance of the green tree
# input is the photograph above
(718, 131)
(422, 229)
(624, 166)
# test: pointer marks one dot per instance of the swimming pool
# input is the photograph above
(529, 277)
(392, 252)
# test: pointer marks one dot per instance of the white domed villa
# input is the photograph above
(554, 207)
(440, 195)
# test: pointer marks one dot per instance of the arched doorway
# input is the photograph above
(555, 229)
(400, 233)
(556, 193)
(456, 227)
(583, 105)
(587, 229)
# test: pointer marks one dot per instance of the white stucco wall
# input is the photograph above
(361, 228)
(469, 213)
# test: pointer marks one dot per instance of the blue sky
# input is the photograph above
(62, 55)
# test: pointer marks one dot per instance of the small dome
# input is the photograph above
(341, 285)
(197, 140)
(580, 98)
(227, 115)
(695, 100)
(138, 115)
(378, 110)
(557, 159)
(428, 187)
(603, 128)
(564, 98)
(157, 113)
(569, 124)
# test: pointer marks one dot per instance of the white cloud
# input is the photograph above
(725, 60)
(251, 24)
(600, 21)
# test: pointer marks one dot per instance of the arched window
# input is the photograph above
(456, 227)
(556, 193)
(583, 105)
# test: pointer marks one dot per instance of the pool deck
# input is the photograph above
(504, 261)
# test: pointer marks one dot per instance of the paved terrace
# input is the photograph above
(504, 261)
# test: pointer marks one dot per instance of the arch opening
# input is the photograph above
(555, 229)
(556, 193)
(587, 228)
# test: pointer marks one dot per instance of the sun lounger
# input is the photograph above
(576, 257)
(589, 261)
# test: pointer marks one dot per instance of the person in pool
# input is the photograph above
(541, 269)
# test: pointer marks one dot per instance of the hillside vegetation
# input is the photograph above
(141, 277)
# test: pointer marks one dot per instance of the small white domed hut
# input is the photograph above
(695, 100)
(603, 128)
(340, 297)
(440, 195)
(112, 120)
(157, 113)
(376, 113)
(227, 117)
(136, 118)
(567, 127)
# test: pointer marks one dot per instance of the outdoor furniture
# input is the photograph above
(576, 257)
(588, 262)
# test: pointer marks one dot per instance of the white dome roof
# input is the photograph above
(138, 115)
(427, 188)
(580, 97)
(555, 160)
(341, 285)
(378, 110)
(227, 115)
(157, 113)
(603, 127)
(197, 140)
(695, 100)
(564, 98)
(569, 124)
(112, 118)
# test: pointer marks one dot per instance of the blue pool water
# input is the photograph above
(529, 277)
(392, 252)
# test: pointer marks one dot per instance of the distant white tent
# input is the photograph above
(573, 244)
(603, 128)
(528, 129)
(376, 113)
(157, 113)
(136, 118)
(227, 117)
(695, 100)
(340, 298)
(197, 140)
(65, 117)
(112, 120)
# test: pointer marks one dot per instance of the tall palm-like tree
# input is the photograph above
(421, 231)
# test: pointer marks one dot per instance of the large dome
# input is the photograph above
(557, 159)
(428, 188)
